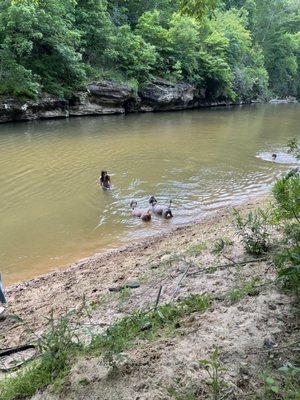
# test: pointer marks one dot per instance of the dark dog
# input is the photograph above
(139, 212)
(164, 211)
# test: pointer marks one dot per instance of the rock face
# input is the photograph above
(101, 98)
(107, 97)
(42, 108)
(162, 96)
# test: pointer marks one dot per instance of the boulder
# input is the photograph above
(101, 98)
(165, 96)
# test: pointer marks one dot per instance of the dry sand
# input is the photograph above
(253, 334)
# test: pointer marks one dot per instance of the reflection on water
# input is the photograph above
(52, 210)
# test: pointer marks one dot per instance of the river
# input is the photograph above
(53, 212)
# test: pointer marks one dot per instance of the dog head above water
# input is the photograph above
(164, 211)
(152, 200)
(145, 215)
(133, 204)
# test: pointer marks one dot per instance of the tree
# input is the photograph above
(130, 54)
(39, 41)
(95, 27)
(277, 31)
(196, 8)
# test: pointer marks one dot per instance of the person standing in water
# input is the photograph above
(274, 156)
(105, 180)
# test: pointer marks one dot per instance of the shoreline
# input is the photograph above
(134, 244)
(248, 318)
(89, 279)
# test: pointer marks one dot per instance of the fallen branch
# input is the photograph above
(223, 266)
(158, 296)
(17, 349)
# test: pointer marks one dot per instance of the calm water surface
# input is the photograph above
(52, 211)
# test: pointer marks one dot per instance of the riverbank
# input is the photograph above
(108, 97)
(250, 321)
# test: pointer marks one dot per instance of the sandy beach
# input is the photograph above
(248, 332)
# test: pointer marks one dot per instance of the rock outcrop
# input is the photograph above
(107, 97)
(163, 96)
(45, 107)
(101, 98)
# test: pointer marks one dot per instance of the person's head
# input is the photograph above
(274, 156)
(103, 174)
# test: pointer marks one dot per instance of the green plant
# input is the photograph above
(84, 382)
(294, 148)
(286, 192)
(214, 370)
(253, 230)
(287, 262)
(58, 347)
(124, 333)
(285, 386)
(236, 294)
(196, 249)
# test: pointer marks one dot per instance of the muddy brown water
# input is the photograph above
(53, 212)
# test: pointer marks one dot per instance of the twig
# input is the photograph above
(17, 349)
(178, 284)
(157, 298)
(228, 265)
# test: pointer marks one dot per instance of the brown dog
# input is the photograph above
(139, 212)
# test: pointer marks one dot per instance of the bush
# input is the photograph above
(253, 230)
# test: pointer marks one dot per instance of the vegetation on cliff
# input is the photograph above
(230, 49)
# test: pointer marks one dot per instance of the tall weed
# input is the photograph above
(253, 230)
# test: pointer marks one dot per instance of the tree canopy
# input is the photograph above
(230, 49)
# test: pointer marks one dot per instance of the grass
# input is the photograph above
(283, 384)
(125, 333)
(195, 250)
(249, 289)
(58, 348)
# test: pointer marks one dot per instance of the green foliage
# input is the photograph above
(253, 231)
(196, 8)
(57, 347)
(288, 263)
(131, 53)
(294, 148)
(249, 289)
(214, 370)
(231, 49)
(57, 343)
(276, 29)
(41, 43)
(286, 193)
(95, 26)
(196, 249)
(124, 333)
(283, 386)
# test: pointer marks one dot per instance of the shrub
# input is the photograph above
(253, 230)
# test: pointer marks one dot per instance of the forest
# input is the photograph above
(230, 49)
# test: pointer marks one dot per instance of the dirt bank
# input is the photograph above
(253, 331)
